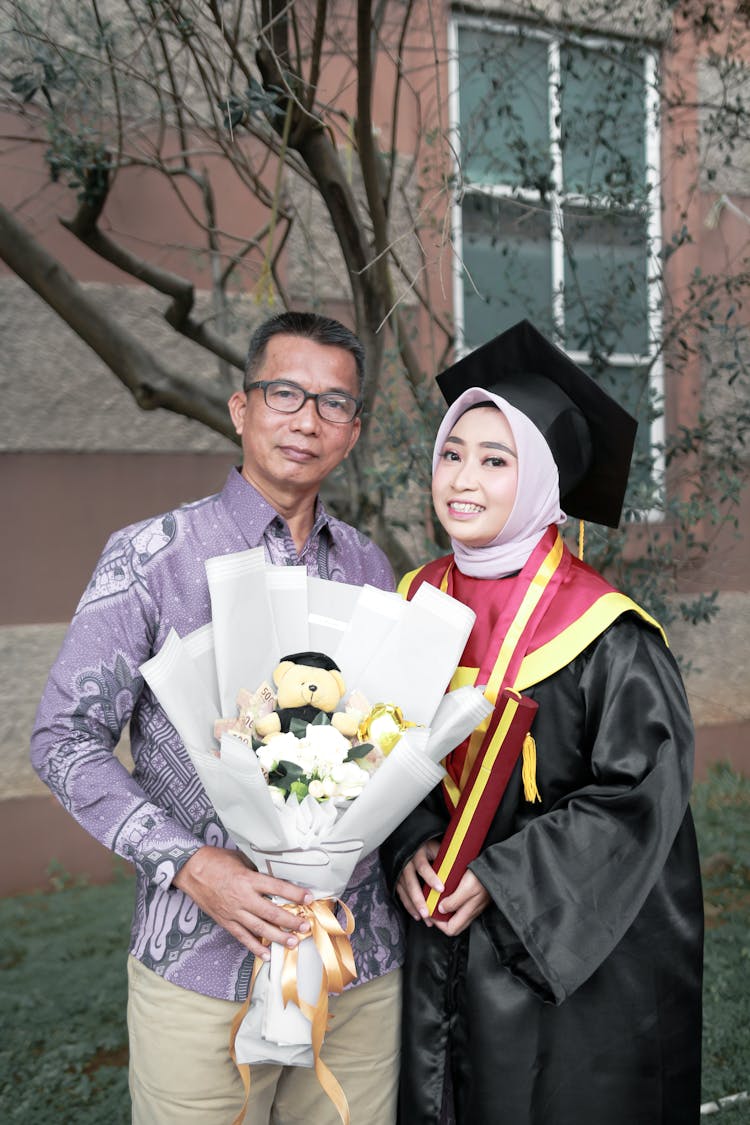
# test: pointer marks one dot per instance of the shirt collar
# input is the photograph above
(253, 514)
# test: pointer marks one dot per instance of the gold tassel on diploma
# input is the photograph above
(581, 536)
(528, 770)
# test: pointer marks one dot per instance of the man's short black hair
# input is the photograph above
(310, 326)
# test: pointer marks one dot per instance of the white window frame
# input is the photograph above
(557, 197)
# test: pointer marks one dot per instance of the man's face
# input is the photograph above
(295, 452)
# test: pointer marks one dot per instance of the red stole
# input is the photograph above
(527, 627)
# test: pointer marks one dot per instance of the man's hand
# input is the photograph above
(237, 897)
(465, 904)
(417, 871)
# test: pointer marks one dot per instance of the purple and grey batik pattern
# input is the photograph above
(151, 578)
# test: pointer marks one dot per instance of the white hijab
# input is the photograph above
(537, 502)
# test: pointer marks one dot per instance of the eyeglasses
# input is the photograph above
(288, 398)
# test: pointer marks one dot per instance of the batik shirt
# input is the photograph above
(151, 578)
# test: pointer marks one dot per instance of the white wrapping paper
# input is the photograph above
(245, 638)
(390, 651)
(287, 591)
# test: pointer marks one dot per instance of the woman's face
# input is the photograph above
(474, 483)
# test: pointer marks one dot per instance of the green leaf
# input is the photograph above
(360, 751)
(290, 770)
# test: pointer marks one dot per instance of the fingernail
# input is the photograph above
(424, 912)
(307, 900)
(292, 942)
(265, 955)
(304, 927)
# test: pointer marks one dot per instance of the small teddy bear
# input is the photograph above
(307, 684)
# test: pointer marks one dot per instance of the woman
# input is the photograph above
(557, 979)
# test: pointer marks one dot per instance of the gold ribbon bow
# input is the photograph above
(331, 940)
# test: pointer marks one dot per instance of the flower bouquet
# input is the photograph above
(308, 808)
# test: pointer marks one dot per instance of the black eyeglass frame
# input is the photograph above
(264, 384)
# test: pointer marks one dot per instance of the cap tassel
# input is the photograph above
(528, 770)
(581, 536)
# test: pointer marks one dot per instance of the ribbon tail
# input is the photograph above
(243, 1068)
(332, 943)
(330, 1085)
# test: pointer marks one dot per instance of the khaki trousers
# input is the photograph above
(181, 1072)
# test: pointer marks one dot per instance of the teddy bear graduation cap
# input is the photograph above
(590, 435)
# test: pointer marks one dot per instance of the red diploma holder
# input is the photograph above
(481, 795)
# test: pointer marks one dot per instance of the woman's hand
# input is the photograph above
(417, 871)
(465, 904)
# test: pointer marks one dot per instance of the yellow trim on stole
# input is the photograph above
(558, 652)
(531, 600)
(406, 581)
(474, 797)
(529, 603)
(551, 657)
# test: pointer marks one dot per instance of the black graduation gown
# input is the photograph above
(575, 998)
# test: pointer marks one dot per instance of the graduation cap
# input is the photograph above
(590, 435)
(312, 660)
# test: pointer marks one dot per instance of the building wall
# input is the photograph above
(78, 460)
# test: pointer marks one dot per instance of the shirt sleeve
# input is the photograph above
(89, 698)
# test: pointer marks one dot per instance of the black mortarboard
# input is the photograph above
(590, 435)
(312, 660)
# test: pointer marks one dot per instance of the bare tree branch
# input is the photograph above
(148, 380)
(182, 292)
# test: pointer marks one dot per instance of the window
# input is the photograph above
(557, 214)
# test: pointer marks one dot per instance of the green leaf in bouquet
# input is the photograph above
(360, 751)
(298, 727)
(290, 771)
(299, 788)
(321, 720)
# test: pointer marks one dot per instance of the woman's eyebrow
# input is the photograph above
(483, 444)
(497, 445)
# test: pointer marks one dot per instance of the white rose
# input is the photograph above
(267, 757)
(349, 792)
(352, 782)
(354, 774)
(286, 746)
(316, 789)
(329, 787)
(328, 741)
(304, 755)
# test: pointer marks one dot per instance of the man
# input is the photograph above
(201, 912)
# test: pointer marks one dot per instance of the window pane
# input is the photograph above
(506, 249)
(503, 97)
(605, 281)
(631, 387)
(603, 127)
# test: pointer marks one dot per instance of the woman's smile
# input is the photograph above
(476, 478)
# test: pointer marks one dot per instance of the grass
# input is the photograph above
(722, 813)
(63, 1048)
